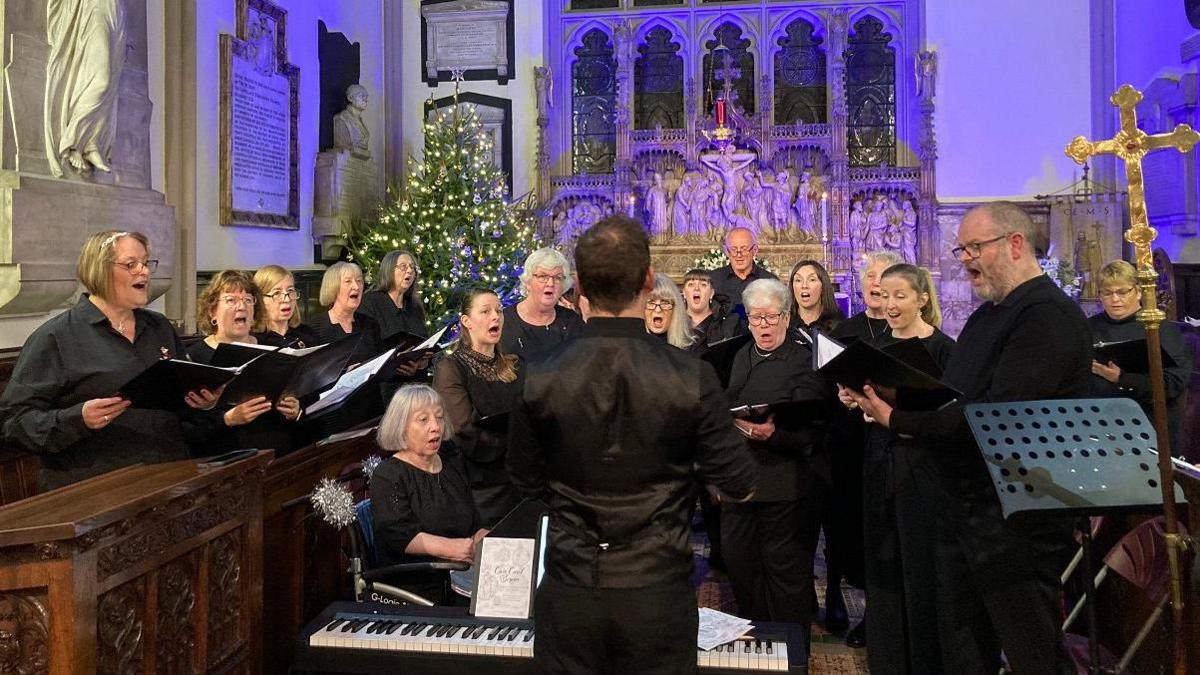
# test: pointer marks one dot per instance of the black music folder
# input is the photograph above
(913, 352)
(1131, 356)
(861, 363)
(758, 413)
(277, 371)
(721, 354)
(497, 422)
(164, 385)
(401, 340)
(426, 348)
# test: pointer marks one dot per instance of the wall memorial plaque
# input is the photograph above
(259, 110)
(472, 35)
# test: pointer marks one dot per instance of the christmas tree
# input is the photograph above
(454, 217)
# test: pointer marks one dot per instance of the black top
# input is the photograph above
(392, 319)
(791, 461)
(72, 358)
(1035, 344)
(408, 501)
(862, 327)
(471, 389)
(268, 430)
(803, 332)
(726, 283)
(525, 340)
(299, 337)
(328, 331)
(615, 431)
(1137, 385)
(714, 328)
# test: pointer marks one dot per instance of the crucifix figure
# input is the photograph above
(1131, 144)
(728, 73)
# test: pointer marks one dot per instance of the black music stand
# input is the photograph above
(1083, 457)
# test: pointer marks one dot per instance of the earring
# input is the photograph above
(213, 322)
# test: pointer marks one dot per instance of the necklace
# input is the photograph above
(762, 355)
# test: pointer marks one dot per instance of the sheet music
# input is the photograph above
(348, 382)
(431, 341)
(717, 628)
(827, 348)
(505, 586)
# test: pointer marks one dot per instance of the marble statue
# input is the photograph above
(927, 75)
(805, 208)
(349, 130)
(262, 36)
(656, 208)
(88, 41)
(543, 85)
(703, 199)
(858, 225)
(908, 231)
(754, 198)
(877, 224)
(892, 236)
(781, 204)
(681, 206)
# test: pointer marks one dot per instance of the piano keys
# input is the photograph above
(377, 638)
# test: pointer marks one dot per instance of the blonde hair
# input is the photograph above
(410, 398)
(223, 281)
(874, 257)
(679, 333)
(93, 268)
(506, 364)
(1116, 271)
(265, 279)
(922, 282)
(332, 281)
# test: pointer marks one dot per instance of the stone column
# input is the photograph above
(928, 233)
(841, 251)
(623, 192)
(766, 109)
(544, 91)
(691, 121)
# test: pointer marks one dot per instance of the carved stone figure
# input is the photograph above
(349, 130)
(908, 231)
(83, 79)
(877, 224)
(703, 199)
(927, 75)
(543, 85)
(656, 208)
(681, 211)
(754, 197)
(858, 225)
(805, 213)
(262, 36)
(781, 205)
(892, 236)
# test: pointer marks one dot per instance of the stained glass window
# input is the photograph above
(800, 76)
(593, 103)
(871, 95)
(658, 82)
(594, 4)
(656, 3)
(728, 42)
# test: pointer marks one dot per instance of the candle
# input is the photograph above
(720, 112)
(825, 214)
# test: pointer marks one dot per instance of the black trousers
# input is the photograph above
(615, 631)
(842, 518)
(769, 549)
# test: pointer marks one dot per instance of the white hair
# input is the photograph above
(546, 258)
(869, 260)
(409, 399)
(767, 293)
(679, 333)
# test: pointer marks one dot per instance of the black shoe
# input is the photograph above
(836, 617)
(857, 638)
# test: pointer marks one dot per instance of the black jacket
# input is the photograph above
(617, 430)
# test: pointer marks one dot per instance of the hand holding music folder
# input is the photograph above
(861, 363)
(425, 349)
(794, 411)
(1130, 356)
(164, 385)
(402, 341)
(281, 371)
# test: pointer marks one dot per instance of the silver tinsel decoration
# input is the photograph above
(334, 502)
(369, 465)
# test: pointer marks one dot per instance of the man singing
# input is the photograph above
(998, 582)
(616, 431)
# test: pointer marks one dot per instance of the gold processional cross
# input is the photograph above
(1131, 144)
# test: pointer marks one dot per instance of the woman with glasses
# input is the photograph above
(1121, 299)
(225, 312)
(278, 323)
(665, 316)
(769, 542)
(61, 401)
(394, 300)
(538, 322)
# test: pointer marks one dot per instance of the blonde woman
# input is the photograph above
(278, 323)
(666, 315)
(341, 294)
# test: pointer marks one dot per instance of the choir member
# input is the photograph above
(843, 509)
(903, 500)
(741, 245)
(62, 399)
(421, 495)
(278, 323)
(617, 452)
(1121, 299)
(538, 322)
(769, 543)
(664, 313)
(341, 296)
(1028, 341)
(710, 321)
(225, 312)
(394, 301)
(476, 380)
(813, 303)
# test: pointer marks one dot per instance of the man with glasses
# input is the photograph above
(740, 248)
(1028, 341)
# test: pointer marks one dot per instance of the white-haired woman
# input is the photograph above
(769, 542)
(341, 295)
(665, 315)
(538, 322)
(421, 494)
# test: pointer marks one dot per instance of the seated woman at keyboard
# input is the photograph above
(421, 494)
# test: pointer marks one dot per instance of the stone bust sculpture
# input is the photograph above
(349, 130)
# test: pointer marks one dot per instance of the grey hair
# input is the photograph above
(767, 292)
(546, 258)
(332, 281)
(1008, 217)
(679, 333)
(409, 399)
(753, 236)
(882, 255)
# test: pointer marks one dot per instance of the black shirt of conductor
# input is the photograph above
(617, 430)
(62, 399)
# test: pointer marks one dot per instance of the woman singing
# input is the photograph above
(278, 324)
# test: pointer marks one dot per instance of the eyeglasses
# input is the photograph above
(549, 278)
(283, 295)
(741, 250)
(405, 267)
(974, 248)
(132, 265)
(232, 301)
(764, 319)
(1116, 292)
(664, 305)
